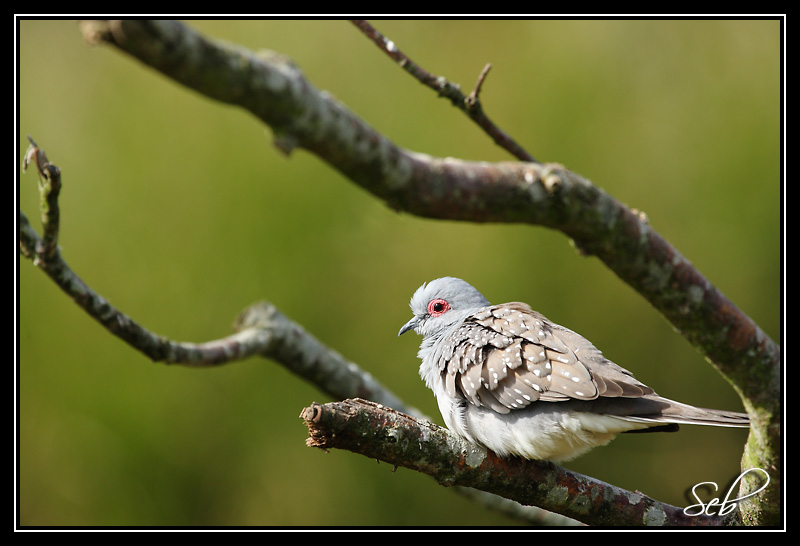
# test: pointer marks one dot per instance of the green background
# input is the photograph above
(180, 212)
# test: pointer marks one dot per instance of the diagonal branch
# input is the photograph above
(273, 89)
(381, 433)
(469, 104)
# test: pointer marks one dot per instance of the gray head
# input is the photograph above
(440, 304)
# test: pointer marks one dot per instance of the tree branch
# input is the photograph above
(262, 329)
(381, 433)
(272, 88)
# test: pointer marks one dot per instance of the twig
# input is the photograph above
(469, 104)
(381, 433)
(472, 99)
(49, 188)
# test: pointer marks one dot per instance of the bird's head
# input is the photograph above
(440, 304)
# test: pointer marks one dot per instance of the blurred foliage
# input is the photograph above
(180, 212)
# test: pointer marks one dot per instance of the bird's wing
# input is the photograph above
(507, 356)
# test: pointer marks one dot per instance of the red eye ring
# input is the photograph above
(438, 307)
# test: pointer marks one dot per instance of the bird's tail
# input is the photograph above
(684, 414)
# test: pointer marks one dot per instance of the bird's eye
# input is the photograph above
(438, 307)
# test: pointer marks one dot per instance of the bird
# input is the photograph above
(507, 378)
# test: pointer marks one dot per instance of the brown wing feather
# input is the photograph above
(507, 356)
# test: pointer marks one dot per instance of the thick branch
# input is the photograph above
(273, 89)
(381, 433)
